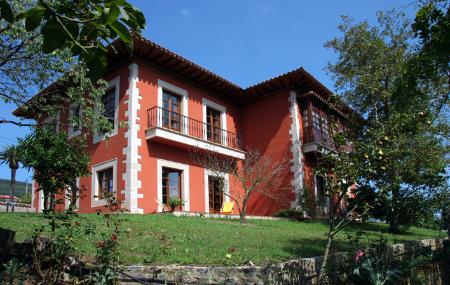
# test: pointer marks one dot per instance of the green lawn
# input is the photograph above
(187, 240)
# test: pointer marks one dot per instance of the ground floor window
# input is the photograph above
(171, 184)
(215, 186)
(105, 182)
(104, 177)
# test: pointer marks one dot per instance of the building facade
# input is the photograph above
(171, 105)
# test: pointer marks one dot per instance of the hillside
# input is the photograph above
(20, 187)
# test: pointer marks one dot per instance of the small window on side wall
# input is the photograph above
(74, 120)
(109, 105)
(105, 180)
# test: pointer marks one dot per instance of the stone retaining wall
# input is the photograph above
(298, 271)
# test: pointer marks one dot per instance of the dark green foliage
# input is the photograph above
(57, 162)
(400, 147)
(291, 214)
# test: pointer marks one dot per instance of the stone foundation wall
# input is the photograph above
(298, 271)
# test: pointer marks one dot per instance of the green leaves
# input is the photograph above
(6, 11)
(121, 31)
(113, 14)
(33, 18)
(54, 36)
(84, 29)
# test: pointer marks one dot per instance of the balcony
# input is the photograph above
(175, 129)
(315, 140)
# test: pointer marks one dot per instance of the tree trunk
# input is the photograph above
(13, 187)
(45, 201)
(243, 212)
(394, 226)
(324, 264)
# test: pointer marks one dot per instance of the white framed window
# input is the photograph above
(183, 108)
(74, 120)
(226, 184)
(53, 121)
(110, 101)
(104, 180)
(184, 181)
(215, 128)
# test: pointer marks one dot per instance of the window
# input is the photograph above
(320, 190)
(305, 118)
(74, 120)
(316, 119)
(324, 125)
(171, 117)
(104, 177)
(105, 183)
(171, 184)
(215, 120)
(109, 105)
(213, 127)
(52, 122)
(215, 186)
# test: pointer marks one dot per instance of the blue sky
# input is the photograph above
(243, 41)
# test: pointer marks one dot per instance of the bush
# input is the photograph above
(291, 214)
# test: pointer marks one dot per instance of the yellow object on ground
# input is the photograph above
(227, 208)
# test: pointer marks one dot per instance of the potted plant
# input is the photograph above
(174, 203)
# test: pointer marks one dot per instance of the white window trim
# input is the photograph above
(95, 202)
(223, 117)
(111, 84)
(184, 182)
(54, 118)
(70, 132)
(163, 85)
(226, 178)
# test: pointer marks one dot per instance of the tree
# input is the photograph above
(42, 40)
(256, 173)
(402, 142)
(57, 163)
(10, 155)
(341, 170)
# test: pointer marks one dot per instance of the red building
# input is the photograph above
(171, 105)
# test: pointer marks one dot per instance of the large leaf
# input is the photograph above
(113, 14)
(7, 12)
(121, 31)
(54, 36)
(96, 64)
(33, 18)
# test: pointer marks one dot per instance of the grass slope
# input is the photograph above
(19, 190)
(164, 239)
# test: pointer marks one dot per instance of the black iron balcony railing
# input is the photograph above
(164, 118)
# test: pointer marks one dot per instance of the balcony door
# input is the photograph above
(213, 127)
(171, 118)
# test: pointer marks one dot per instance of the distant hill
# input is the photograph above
(20, 187)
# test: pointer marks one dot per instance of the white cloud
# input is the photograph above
(185, 13)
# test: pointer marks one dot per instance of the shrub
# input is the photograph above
(291, 214)
(175, 202)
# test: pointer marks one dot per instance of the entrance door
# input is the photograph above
(215, 185)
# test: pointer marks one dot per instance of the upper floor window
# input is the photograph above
(109, 104)
(171, 117)
(213, 126)
(74, 120)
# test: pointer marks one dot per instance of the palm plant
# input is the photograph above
(10, 156)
